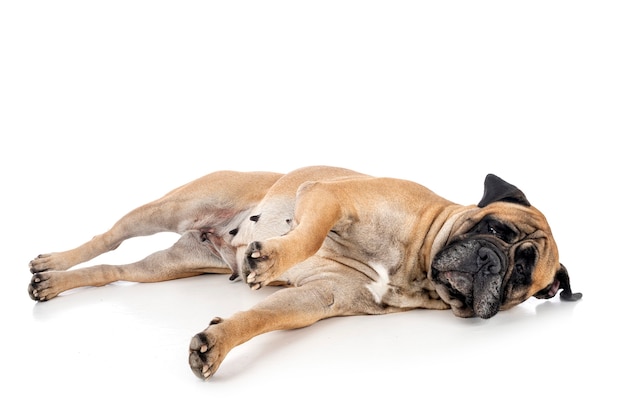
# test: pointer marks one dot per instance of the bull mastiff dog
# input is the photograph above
(341, 243)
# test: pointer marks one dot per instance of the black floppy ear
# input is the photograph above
(563, 277)
(561, 281)
(497, 189)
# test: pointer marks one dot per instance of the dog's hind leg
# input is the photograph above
(210, 201)
(143, 221)
(189, 256)
(203, 211)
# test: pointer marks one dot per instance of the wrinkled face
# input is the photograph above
(498, 255)
(498, 258)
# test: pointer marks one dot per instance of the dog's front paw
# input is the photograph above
(260, 264)
(206, 351)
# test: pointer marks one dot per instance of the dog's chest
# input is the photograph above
(402, 290)
(396, 277)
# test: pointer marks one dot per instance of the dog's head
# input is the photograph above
(498, 255)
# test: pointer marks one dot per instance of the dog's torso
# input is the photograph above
(378, 243)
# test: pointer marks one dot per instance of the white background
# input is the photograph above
(107, 105)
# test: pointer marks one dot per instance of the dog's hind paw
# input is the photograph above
(41, 287)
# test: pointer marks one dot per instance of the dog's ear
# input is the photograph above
(497, 189)
(563, 277)
(561, 282)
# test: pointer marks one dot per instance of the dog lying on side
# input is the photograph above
(340, 242)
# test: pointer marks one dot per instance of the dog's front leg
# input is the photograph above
(288, 308)
(317, 210)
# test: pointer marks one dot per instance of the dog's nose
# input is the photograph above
(488, 260)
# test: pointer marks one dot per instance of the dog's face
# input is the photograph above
(499, 255)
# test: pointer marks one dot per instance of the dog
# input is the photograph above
(340, 243)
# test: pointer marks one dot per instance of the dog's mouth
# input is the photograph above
(469, 275)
